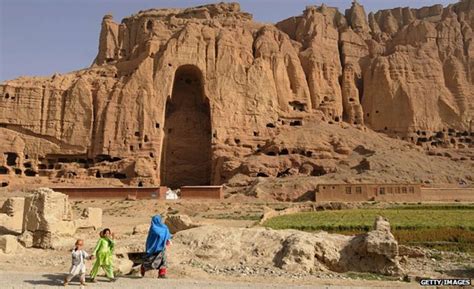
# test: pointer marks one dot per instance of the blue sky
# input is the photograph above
(41, 37)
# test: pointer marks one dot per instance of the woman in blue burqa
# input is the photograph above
(158, 239)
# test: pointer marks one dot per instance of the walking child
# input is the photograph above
(78, 266)
(103, 252)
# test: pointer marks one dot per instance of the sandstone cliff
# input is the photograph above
(199, 92)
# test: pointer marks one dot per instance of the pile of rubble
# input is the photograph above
(294, 251)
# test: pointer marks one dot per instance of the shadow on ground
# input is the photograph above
(58, 279)
(50, 279)
(463, 273)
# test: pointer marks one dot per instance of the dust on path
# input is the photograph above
(16, 280)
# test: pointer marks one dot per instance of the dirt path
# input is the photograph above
(38, 280)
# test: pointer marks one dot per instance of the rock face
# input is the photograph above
(183, 96)
(376, 251)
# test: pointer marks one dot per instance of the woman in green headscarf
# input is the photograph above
(103, 253)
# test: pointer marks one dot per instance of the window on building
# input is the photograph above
(382, 190)
(389, 190)
(348, 190)
(397, 190)
(411, 190)
(359, 190)
(404, 190)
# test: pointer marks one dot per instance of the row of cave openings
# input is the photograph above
(290, 122)
(11, 159)
(281, 122)
(439, 138)
(317, 171)
(56, 163)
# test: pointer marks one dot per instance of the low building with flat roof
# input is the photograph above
(368, 192)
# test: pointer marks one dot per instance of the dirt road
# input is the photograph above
(16, 280)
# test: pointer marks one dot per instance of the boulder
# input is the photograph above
(48, 216)
(9, 244)
(26, 239)
(141, 229)
(11, 214)
(178, 223)
(308, 253)
(90, 218)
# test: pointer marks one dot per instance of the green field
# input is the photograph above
(441, 227)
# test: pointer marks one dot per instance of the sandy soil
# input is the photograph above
(47, 280)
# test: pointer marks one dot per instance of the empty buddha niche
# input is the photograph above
(186, 155)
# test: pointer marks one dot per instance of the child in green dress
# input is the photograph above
(103, 253)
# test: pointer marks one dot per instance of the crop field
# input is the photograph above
(440, 227)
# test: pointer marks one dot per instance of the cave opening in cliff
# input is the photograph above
(186, 153)
(11, 158)
(30, 173)
(3, 170)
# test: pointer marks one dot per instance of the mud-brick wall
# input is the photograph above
(113, 193)
(447, 194)
(368, 192)
(202, 192)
